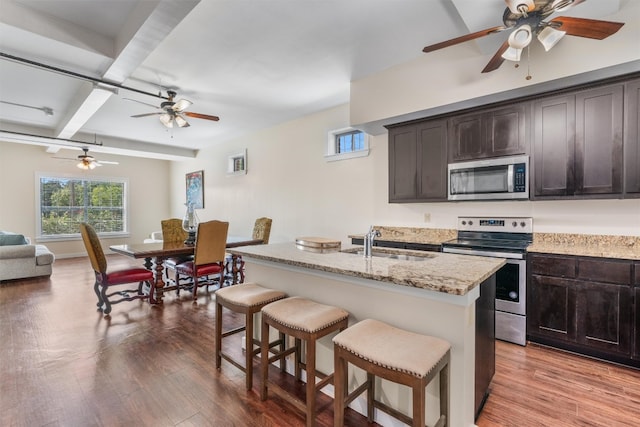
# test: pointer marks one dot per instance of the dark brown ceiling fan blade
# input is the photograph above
(463, 39)
(147, 114)
(497, 59)
(201, 116)
(590, 28)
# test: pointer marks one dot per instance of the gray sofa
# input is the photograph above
(20, 259)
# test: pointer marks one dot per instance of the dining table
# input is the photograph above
(155, 253)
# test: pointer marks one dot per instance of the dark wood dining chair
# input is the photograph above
(261, 231)
(106, 281)
(209, 256)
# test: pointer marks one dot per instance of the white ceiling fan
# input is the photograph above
(86, 161)
(527, 19)
(171, 111)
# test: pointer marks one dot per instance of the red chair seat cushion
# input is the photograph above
(129, 276)
(186, 268)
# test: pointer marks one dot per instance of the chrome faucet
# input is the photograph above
(368, 241)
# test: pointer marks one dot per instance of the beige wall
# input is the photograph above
(453, 75)
(289, 181)
(19, 163)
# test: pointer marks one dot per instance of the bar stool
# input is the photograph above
(305, 320)
(247, 299)
(396, 355)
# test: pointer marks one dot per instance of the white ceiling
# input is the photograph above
(253, 63)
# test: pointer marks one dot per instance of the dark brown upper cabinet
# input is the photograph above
(418, 162)
(577, 142)
(632, 139)
(489, 133)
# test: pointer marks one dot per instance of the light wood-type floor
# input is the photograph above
(63, 364)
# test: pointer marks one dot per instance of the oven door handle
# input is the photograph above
(492, 254)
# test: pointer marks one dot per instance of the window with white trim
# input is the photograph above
(346, 144)
(63, 202)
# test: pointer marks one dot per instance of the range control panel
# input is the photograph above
(496, 224)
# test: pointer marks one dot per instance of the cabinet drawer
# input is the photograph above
(595, 270)
(556, 266)
(637, 277)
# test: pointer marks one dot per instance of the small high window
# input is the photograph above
(346, 144)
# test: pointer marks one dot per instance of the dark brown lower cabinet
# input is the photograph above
(583, 304)
(636, 311)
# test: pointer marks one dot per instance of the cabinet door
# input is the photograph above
(604, 317)
(506, 131)
(632, 139)
(402, 163)
(636, 351)
(466, 137)
(432, 165)
(598, 152)
(636, 311)
(551, 303)
(554, 143)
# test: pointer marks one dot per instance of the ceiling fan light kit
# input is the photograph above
(173, 112)
(520, 6)
(86, 165)
(549, 37)
(526, 18)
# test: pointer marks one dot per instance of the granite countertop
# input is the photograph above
(430, 236)
(440, 272)
(604, 246)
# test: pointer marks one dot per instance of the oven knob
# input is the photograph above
(515, 224)
(470, 222)
(464, 222)
(523, 224)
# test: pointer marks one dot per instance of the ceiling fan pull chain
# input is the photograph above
(528, 64)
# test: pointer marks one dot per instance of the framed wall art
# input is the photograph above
(195, 189)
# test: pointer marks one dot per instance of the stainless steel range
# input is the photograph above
(501, 237)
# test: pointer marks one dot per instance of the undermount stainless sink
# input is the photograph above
(399, 257)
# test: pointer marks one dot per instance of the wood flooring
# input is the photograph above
(63, 364)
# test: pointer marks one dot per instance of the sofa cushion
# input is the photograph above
(11, 239)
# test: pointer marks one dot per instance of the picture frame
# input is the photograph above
(194, 188)
(237, 163)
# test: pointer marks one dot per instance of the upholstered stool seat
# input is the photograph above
(396, 355)
(247, 299)
(304, 320)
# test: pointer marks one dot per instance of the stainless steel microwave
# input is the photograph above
(503, 178)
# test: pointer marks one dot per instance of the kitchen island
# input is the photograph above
(434, 295)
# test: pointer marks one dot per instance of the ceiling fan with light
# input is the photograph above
(527, 18)
(173, 111)
(86, 161)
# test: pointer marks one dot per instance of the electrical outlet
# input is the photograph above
(427, 217)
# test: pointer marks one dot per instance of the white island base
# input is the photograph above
(450, 317)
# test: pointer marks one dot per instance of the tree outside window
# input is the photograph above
(67, 202)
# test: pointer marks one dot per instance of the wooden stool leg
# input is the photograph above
(283, 347)
(264, 360)
(248, 341)
(339, 387)
(298, 358)
(419, 395)
(311, 382)
(444, 394)
(371, 395)
(218, 335)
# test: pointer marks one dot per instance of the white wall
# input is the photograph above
(148, 186)
(289, 181)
